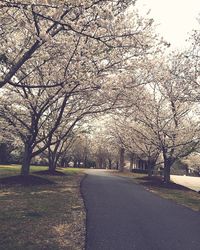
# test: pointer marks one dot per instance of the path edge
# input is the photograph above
(85, 208)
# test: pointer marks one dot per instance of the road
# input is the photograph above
(187, 181)
(122, 215)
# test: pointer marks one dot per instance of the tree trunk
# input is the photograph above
(149, 170)
(168, 161)
(139, 164)
(109, 163)
(121, 159)
(25, 169)
(75, 163)
(52, 166)
(131, 162)
(166, 173)
(63, 163)
(52, 161)
(117, 165)
(85, 162)
(100, 163)
(4, 155)
(150, 166)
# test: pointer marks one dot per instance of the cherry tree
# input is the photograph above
(136, 139)
(157, 119)
(34, 115)
(84, 36)
(44, 118)
(174, 125)
(56, 52)
(70, 134)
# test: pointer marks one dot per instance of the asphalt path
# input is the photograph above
(122, 215)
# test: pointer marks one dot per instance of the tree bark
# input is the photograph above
(149, 169)
(51, 159)
(25, 169)
(131, 162)
(121, 159)
(85, 162)
(99, 162)
(166, 173)
(52, 166)
(168, 162)
(109, 163)
(75, 163)
(151, 164)
(79, 163)
(117, 165)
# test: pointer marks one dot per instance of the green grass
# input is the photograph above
(174, 192)
(42, 216)
(10, 170)
(187, 198)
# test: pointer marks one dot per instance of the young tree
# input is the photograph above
(59, 150)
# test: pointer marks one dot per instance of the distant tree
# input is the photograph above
(4, 157)
(136, 139)
(10, 144)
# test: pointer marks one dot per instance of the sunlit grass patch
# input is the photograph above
(72, 170)
(10, 170)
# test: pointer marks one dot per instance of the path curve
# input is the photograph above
(122, 215)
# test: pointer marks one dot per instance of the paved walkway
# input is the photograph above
(122, 215)
(187, 181)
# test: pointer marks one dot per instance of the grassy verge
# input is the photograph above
(175, 192)
(45, 213)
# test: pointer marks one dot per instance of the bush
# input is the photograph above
(4, 155)
(140, 171)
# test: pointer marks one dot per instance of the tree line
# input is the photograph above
(64, 63)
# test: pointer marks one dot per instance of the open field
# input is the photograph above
(46, 212)
(175, 192)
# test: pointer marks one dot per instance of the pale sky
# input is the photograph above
(176, 18)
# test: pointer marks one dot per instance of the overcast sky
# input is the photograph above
(177, 18)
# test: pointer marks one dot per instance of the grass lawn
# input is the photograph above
(175, 192)
(10, 170)
(46, 212)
